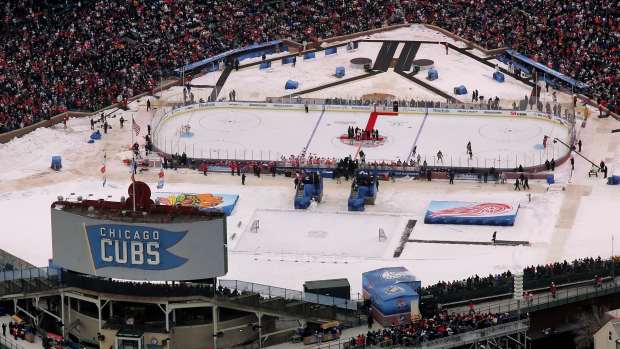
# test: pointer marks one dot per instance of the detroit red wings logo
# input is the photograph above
(485, 209)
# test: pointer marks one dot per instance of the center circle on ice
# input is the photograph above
(525, 132)
(318, 234)
(226, 123)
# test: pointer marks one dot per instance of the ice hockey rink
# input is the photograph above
(243, 132)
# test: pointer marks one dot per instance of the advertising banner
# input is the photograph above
(140, 251)
(474, 213)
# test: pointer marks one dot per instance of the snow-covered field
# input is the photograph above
(231, 133)
(313, 233)
(577, 222)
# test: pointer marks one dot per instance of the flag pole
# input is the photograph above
(133, 166)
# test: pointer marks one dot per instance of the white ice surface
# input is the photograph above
(268, 134)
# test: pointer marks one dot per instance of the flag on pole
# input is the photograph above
(135, 126)
(160, 183)
(103, 170)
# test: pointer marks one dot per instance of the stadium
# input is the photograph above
(393, 174)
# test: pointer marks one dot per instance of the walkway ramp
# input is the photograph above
(407, 55)
(386, 53)
(219, 85)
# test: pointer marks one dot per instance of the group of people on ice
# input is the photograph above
(361, 134)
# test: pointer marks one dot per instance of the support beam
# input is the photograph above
(260, 330)
(35, 318)
(215, 317)
(99, 309)
(166, 314)
(62, 313)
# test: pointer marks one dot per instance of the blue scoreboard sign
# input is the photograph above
(140, 251)
(141, 247)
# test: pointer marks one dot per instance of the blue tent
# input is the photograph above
(291, 85)
(394, 299)
(376, 279)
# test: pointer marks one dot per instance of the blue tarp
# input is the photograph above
(56, 162)
(514, 55)
(95, 135)
(291, 85)
(471, 213)
(432, 74)
(265, 65)
(331, 51)
(499, 76)
(339, 72)
(288, 60)
(241, 53)
(613, 180)
(309, 55)
(460, 90)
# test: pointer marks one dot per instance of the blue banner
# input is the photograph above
(129, 246)
(517, 58)
(242, 53)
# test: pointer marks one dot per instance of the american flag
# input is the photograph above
(135, 126)
(103, 170)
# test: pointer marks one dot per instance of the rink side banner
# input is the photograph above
(473, 213)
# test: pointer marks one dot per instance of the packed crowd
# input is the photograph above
(472, 287)
(441, 325)
(59, 55)
(533, 277)
(566, 272)
(577, 38)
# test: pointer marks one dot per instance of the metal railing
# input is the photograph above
(270, 292)
(29, 273)
(546, 300)
(450, 341)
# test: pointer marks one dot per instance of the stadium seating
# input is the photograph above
(49, 68)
